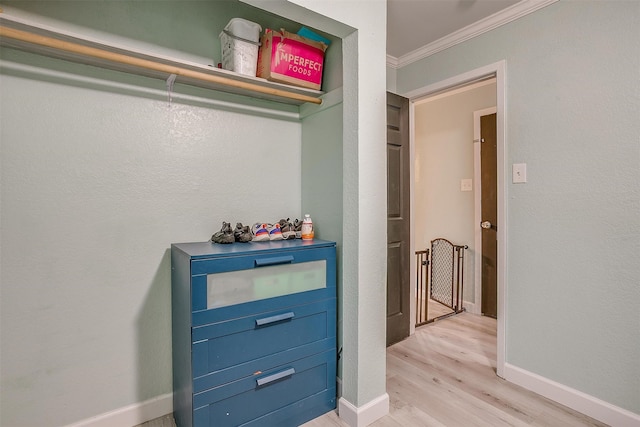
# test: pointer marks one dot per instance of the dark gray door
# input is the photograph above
(398, 226)
(489, 206)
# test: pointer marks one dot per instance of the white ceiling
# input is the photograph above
(412, 24)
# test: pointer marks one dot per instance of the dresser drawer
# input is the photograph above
(270, 398)
(236, 286)
(226, 351)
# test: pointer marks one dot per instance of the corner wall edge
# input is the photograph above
(364, 415)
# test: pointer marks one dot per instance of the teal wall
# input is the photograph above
(573, 238)
(182, 29)
(362, 26)
(99, 175)
(322, 183)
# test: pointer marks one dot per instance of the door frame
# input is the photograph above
(497, 70)
(477, 206)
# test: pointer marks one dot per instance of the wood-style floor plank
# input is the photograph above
(445, 376)
(434, 309)
(165, 421)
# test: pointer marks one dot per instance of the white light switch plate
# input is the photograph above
(466, 185)
(519, 171)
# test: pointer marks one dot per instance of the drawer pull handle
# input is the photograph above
(275, 377)
(274, 260)
(273, 319)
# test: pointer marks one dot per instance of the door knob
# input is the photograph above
(485, 224)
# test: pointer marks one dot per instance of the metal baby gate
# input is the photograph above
(442, 288)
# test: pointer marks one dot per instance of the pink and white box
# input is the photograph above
(289, 58)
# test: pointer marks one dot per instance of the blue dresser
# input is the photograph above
(254, 332)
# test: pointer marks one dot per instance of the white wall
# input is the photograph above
(391, 79)
(362, 25)
(573, 233)
(443, 156)
(364, 204)
(99, 176)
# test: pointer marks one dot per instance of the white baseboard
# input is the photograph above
(366, 414)
(131, 415)
(574, 399)
(471, 307)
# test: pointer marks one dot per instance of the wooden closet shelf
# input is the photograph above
(31, 38)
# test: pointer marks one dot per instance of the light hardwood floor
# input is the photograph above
(433, 310)
(436, 309)
(444, 375)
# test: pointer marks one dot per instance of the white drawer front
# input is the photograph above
(236, 287)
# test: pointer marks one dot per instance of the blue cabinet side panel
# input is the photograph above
(181, 338)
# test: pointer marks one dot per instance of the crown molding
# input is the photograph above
(392, 61)
(489, 23)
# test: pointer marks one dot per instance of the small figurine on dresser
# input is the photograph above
(242, 233)
(225, 235)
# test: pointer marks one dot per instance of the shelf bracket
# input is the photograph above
(170, 81)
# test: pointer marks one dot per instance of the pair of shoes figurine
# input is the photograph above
(241, 233)
(259, 232)
(282, 230)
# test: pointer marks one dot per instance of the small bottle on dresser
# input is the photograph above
(307, 228)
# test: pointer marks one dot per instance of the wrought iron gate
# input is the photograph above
(422, 299)
(439, 279)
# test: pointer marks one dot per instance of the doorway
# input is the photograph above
(494, 71)
(485, 168)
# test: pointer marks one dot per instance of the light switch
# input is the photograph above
(466, 185)
(519, 171)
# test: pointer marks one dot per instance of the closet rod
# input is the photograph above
(25, 36)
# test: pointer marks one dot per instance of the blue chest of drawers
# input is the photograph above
(254, 332)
